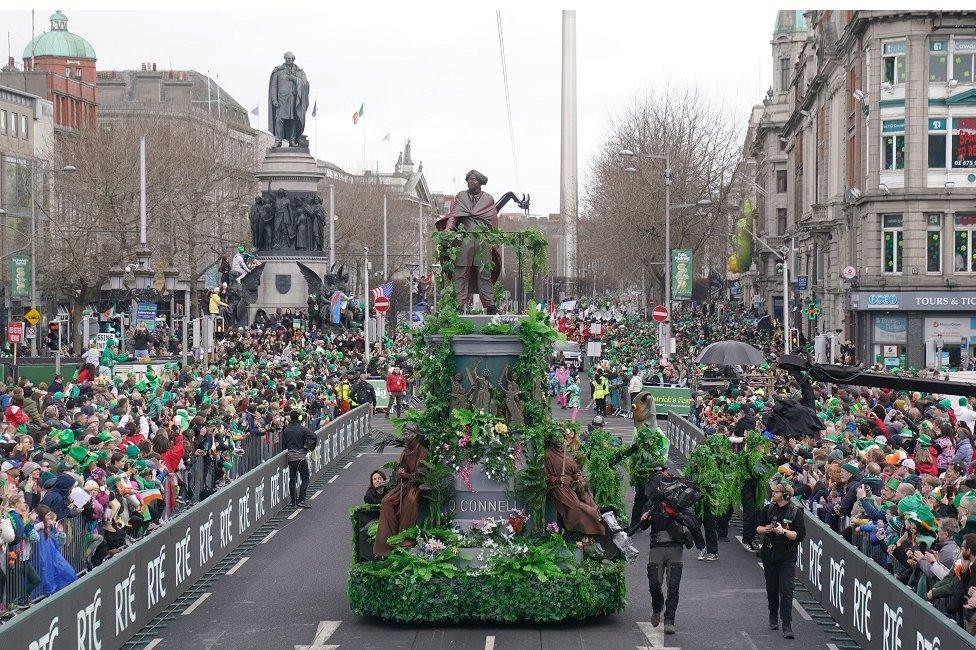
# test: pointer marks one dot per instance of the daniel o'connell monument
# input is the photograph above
(287, 220)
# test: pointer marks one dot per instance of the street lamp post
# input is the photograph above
(412, 267)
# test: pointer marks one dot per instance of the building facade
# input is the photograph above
(60, 67)
(880, 147)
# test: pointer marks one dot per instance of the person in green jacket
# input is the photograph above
(110, 356)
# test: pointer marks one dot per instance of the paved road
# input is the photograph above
(291, 592)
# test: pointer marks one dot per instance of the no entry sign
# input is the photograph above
(381, 304)
(660, 314)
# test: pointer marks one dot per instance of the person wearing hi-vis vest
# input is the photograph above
(601, 389)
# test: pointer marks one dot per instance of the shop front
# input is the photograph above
(932, 329)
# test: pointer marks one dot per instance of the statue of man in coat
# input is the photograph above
(287, 102)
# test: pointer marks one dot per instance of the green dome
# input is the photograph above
(790, 21)
(59, 42)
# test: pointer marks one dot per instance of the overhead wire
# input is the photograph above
(508, 96)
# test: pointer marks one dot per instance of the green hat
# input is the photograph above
(851, 467)
(240, 249)
(945, 404)
(759, 404)
(112, 479)
(77, 453)
(957, 501)
(887, 504)
(141, 465)
(57, 396)
(105, 436)
(734, 407)
(47, 476)
(963, 401)
(132, 451)
(834, 438)
(892, 484)
(65, 437)
(924, 440)
(115, 419)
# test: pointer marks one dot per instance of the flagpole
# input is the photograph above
(365, 163)
(316, 117)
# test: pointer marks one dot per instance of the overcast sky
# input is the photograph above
(433, 73)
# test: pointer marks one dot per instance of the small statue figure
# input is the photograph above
(459, 396)
(254, 217)
(302, 226)
(267, 225)
(401, 505)
(283, 216)
(514, 404)
(480, 392)
(318, 224)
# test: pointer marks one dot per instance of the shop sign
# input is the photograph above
(890, 329)
(883, 301)
(961, 301)
(951, 329)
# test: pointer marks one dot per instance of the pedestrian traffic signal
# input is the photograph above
(794, 338)
(52, 335)
(219, 327)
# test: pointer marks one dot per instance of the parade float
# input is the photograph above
(497, 536)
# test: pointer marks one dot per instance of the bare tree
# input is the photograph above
(198, 180)
(622, 231)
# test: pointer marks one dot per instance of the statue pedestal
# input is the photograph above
(488, 499)
(282, 283)
(486, 354)
(292, 169)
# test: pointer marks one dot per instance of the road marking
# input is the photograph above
(268, 538)
(196, 603)
(830, 646)
(655, 637)
(296, 513)
(745, 635)
(348, 465)
(803, 612)
(152, 644)
(237, 566)
(360, 455)
(489, 643)
(325, 630)
(316, 494)
(333, 478)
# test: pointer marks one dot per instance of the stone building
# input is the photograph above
(881, 180)
(60, 67)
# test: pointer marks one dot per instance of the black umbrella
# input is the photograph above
(731, 353)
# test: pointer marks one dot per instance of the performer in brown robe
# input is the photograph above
(399, 508)
(579, 513)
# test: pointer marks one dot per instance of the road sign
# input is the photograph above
(15, 332)
(849, 273)
(33, 316)
(31, 332)
(381, 304)
(802, 282)
(660, 314)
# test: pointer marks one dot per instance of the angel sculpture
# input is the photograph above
(331, 289)
(480, 392)
(514, 407)
(240, 295)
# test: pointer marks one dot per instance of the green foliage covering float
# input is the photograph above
(400, 593)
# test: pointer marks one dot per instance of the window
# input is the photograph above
(893, 56)
(780, 180)
(780, 221)
(67, 73)
(893, 144)
(933, 243)
(964, 143)
(938, 61)
(892, 243)
(964, 240)
(784, 74)
(23, 127)
(3, 122)
(13, 124)
(937, 143)
(819, 262)
(963, 52)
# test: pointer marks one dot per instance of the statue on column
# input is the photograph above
(287, 102)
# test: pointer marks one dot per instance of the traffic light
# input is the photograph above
(794, 338)
(52, 335)
(219, 327)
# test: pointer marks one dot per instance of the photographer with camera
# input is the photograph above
(781, 522)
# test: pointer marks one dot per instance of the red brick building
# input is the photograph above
(60, 66)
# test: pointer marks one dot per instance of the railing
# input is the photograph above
(853, 582)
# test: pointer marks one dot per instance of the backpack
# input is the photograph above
(397, 384)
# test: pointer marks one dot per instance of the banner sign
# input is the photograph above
(671, 400)
(108, 606)
(382, 395)
(874, 608)
(682, 273)
(146, 314)
(19, 276)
